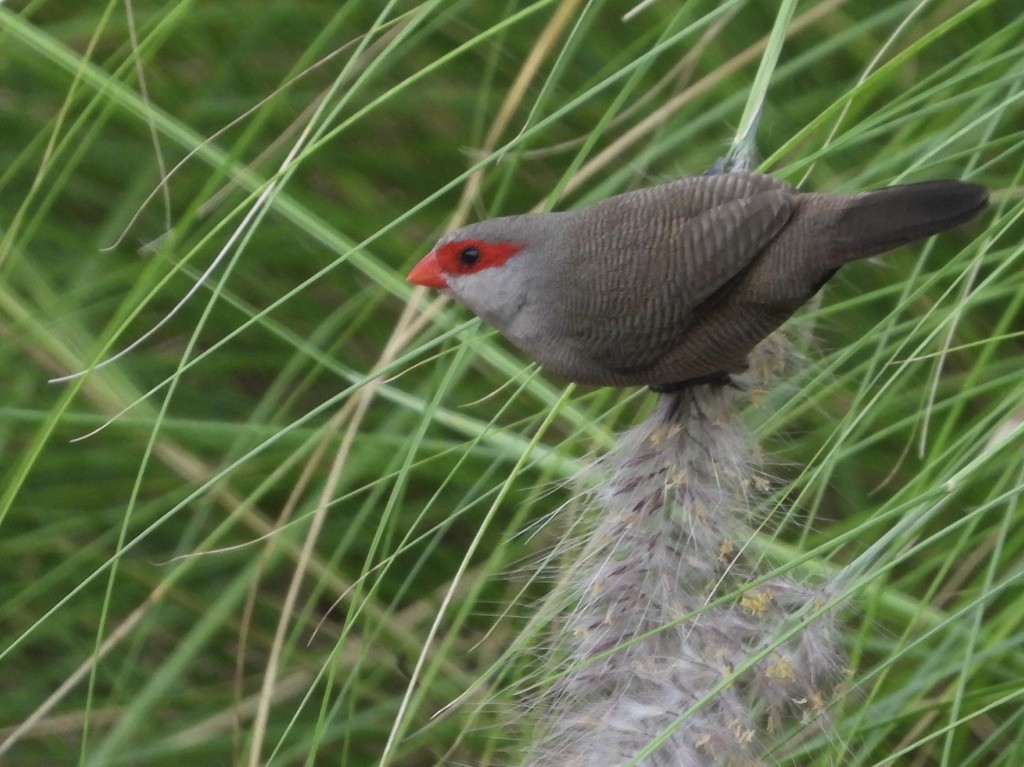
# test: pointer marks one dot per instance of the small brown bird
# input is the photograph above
(674, 284)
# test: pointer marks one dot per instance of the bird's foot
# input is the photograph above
(721, 378)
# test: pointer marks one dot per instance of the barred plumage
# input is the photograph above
(679, 281)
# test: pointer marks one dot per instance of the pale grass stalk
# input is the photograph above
(354, 410)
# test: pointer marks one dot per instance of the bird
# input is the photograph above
(672, 285)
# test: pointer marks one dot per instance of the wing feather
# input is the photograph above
(641, 264)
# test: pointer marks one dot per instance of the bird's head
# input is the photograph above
(495, 267)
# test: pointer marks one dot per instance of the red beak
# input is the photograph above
(428, 273)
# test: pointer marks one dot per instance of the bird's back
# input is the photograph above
(680, 281)
(640, 265)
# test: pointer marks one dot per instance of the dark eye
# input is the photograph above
(469, 255)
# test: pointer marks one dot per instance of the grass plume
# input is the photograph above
(668, 645)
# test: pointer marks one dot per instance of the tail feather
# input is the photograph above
(878, 221)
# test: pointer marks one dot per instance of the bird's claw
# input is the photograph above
(720, 378)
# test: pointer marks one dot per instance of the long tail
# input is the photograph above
(874, 222)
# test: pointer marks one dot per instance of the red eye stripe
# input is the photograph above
(469, 256)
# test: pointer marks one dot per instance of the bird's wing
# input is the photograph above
(648, 259)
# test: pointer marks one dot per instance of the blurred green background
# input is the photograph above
(302, 535)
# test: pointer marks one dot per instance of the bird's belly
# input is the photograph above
(556, 352)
